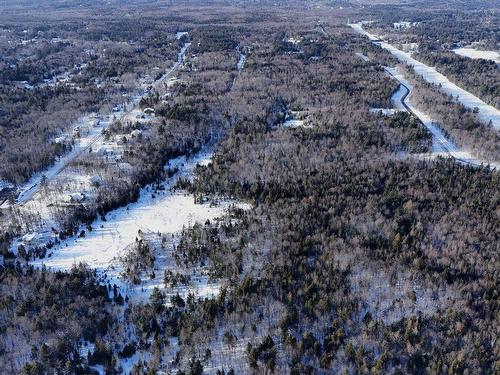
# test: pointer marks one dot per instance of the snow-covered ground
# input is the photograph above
(477, 54)
(486, 112)
(291, 123)
(157, 211)
(180, 34)
(81, 144)
(296, 119)
(198, 284)
(398, 97)
(383, 111)
(154, 212)
(242, 60)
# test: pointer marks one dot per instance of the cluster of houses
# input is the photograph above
(405, 25)
(80, 197)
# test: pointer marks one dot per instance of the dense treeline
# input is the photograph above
(441, 25)
(185, 121)
(387, 213)
(328, 199)
(322, 212)
(45, 316)
(32, 119)
(460, 123)
(210, 39)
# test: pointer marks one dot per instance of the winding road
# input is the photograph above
(486, 112)
(441, 145)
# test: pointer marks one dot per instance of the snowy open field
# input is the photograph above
(476, 54)
(158, 210)
(162, 211)
(297, 119)
(486, 112)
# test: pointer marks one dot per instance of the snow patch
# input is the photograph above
(180, 34)
(383, 111)
(476, 54)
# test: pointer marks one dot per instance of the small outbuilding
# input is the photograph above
(136, 133)
(60, 140)
(30, 237)
(76, 197)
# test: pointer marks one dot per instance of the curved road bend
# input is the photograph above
(441, 144)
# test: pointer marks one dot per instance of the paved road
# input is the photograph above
(486, 112)
(442, 145)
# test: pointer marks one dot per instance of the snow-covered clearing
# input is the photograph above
(477, 54)
(154, 212)
(486, 112)
(242, 60)
(180, 34)
(158, 210)
(383, 111)
(297, 119)
(291, 123)
(197, 278)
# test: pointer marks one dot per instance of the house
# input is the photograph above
(404, 25)
(149, 111)
(75, 198)
(105, 151)
(30, 238)
(410, 47)
(60, 140)
(136, 133)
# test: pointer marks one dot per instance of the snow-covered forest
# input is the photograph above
(240, 187)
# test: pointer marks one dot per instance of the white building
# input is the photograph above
(404, 25)
(136, 133)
